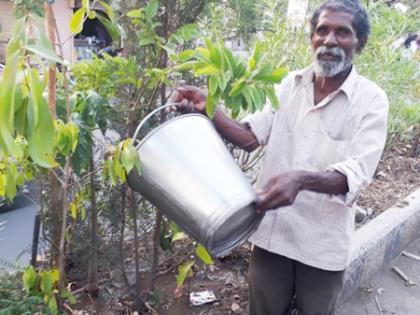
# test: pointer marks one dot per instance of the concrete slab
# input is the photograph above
(393, 295)
(380, 241)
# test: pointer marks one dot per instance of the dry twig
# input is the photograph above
(378, 305)
(411, 255)
(403, 276)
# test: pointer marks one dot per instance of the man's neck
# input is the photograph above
(323, 86)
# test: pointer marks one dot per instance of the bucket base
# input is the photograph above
(234, 231)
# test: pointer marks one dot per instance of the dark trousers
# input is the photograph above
(274, 281)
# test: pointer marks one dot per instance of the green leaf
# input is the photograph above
(135, 13)
(55, 275)
(7, 92)
(271, 94)
(207, 71)
(41, 133)
(237, 87)
(46, 284)
(73, 210)
(3, 183)
(42, 38)
(212, 84)
(85, 4)
(92, 15)
(110, 26)
(146, 40)
(211, 105)
(151, 9)
(127, 159)
(10, 186)
(66, 294)
(251, 64)
(265, 70)
(29, 278)
(275, 77)
(183, 271)
(256, 54)
(76, 22)
(205, 53)
(179, 236)
(247, 96)
(189, 65)
(222, 81)
(8, 144)
(230, 59)
(203, 254)
(52, 305)
(216, 57)
(256, 97)
(109, 11)
(186, 55)
(44, 52)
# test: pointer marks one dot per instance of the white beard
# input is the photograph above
(330, 68)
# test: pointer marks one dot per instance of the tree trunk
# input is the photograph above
(155, 260)
(140, 305)
(92, 286)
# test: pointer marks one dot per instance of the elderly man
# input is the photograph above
(322, 148)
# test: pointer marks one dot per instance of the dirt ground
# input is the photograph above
(397, 176)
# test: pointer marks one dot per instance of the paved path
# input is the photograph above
(393, 295)
(16, 228)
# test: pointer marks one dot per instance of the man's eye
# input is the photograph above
(343, 32)
(322, 30)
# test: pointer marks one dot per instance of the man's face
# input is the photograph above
(334, 43)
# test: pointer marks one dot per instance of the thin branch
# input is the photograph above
(85, 176)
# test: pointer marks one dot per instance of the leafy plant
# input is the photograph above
(43, 285)
(185, 269)
(241, 85)
(27, 131)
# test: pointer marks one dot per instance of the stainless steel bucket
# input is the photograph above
(188, 173)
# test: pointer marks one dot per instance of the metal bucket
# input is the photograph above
(188, 173)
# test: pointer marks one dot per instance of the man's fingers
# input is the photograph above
(265, 199)
(176, 97)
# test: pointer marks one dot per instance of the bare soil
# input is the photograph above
(397, 176)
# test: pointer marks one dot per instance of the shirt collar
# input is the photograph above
(306, 77)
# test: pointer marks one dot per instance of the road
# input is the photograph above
(16, 229)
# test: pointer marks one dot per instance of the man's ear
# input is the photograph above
(361, 44)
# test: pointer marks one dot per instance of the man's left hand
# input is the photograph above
(279, 191)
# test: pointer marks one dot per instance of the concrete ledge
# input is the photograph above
(380, 241)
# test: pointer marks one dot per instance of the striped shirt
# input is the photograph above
(345, 132)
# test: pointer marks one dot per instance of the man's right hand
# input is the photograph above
(189, 99)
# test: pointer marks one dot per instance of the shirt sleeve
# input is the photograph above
(365, 151)
(260, 123)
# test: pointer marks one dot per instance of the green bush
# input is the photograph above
(397, 74)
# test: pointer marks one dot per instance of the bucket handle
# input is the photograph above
(150, 115)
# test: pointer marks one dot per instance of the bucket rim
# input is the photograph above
(138, 144)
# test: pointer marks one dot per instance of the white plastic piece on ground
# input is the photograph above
(202, 297)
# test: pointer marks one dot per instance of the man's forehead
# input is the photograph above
(335, 17)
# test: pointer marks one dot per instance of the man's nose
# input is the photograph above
(330, 40)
